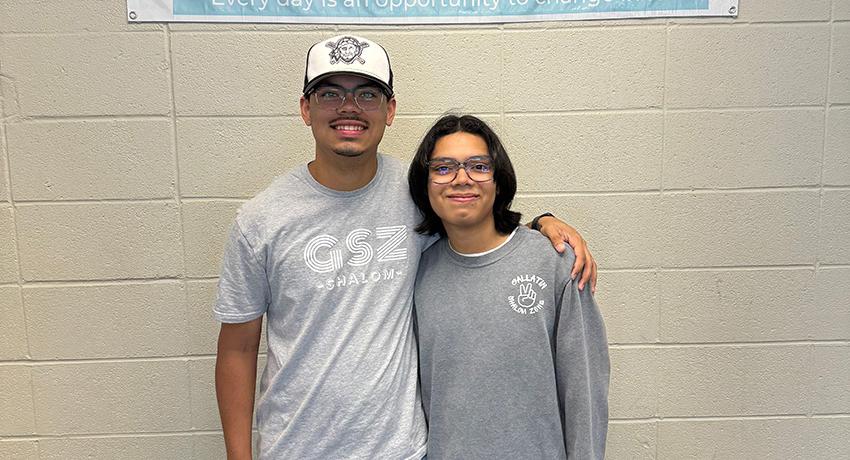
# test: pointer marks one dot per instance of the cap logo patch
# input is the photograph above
(347, 50)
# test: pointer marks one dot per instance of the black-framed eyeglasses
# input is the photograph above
(444, 170)
(367, 98)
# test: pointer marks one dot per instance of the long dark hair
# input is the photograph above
(503, 173)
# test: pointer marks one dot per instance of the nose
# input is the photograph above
(348, 103)
(462, 177)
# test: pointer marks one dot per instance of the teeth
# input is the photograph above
(349, 128)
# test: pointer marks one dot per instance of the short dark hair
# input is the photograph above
(503, 173)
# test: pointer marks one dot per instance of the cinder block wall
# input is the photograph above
(706, 160)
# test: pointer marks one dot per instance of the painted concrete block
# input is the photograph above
(8, 247)
(732, 439)
(629, 303)
(431, 67)
(832, 314)
(835, 228)
(828, 438)
(91, 74)
(576, 69)
(831, 366)
(840, 11)
(585, 151)
(117, 448)
(836, 158)
(19, 450)
(815, 438)
(738, 306)
(750, 228)
(207, 446)
(743, 66)
(203, 328)
(13, 341)
(204, 405)
(634, 380)
(45, 16)
(99, 241)
(783, 11)
(78, 160)
(239, 157)
(733, 380)
(112, 397)
(123, 320)
(4, 167)
(16, 397)
(743, 149)
(630, 441)
(239, 73)
(205, 228)
(839, 76)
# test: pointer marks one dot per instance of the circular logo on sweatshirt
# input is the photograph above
(525, 299)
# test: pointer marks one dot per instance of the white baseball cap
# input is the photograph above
(348, 54)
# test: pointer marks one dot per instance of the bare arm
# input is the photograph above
(235, 379)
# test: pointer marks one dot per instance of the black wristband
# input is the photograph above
(535, 224)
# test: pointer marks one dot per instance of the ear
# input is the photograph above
(305, 110)
(390, 111)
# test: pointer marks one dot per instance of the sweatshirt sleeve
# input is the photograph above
(583, 370)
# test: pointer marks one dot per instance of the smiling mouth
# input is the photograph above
(463, 198)
(349, 128)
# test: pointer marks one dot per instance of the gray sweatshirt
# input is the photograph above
(513, 357)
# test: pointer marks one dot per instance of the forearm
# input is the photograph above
(235, 377)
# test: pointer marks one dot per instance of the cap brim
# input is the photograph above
(312, 83)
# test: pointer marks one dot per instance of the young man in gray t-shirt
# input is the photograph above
(328, 255)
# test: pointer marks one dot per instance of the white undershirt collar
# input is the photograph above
(479, 254)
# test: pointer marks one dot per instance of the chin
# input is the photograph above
(349, 153)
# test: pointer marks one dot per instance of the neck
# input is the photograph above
(342, 173)
(471, 240)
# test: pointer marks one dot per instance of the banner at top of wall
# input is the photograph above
(417, 11)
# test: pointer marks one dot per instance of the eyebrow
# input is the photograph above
(479, 156)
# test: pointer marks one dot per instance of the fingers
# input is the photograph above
(579, 264)
(593, 279)
(589, 274)
(556, 238)
(585, 277)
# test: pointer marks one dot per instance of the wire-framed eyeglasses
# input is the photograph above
(367, 98)
(444, 170)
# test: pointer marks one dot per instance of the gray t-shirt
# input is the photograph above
(333, 272)
(513, 357)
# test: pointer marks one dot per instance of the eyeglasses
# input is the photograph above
(367, 98)
(444, 170)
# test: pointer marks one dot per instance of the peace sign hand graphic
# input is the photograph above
(526, 296)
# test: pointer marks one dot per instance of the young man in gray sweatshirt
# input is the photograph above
(513, 357)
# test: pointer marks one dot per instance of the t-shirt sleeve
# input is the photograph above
(243, 287)
(583, 372)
